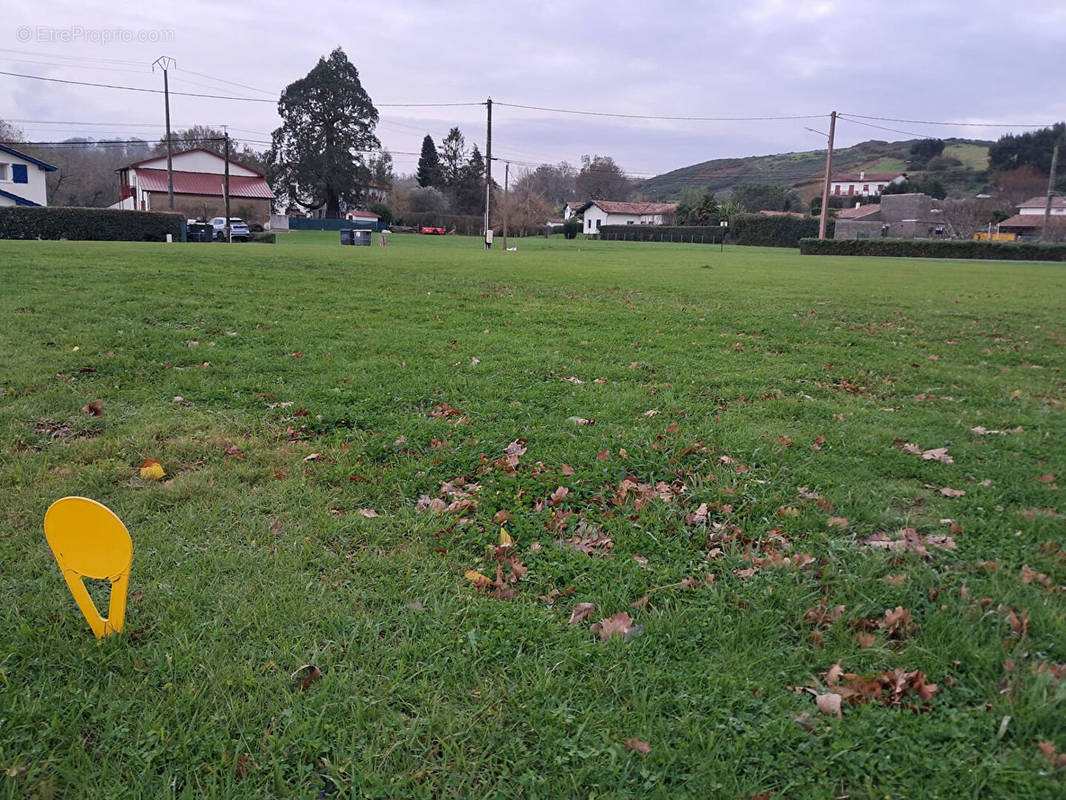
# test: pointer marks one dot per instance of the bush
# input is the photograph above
(384, 212)
(763, 231)
(694, 234)
(89, 224)
(265, 238)
(933, 248)
(571, 228)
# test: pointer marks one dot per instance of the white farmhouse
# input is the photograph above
(22, 179)
(598, 213)
(865, 184)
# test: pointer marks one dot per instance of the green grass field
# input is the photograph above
(744, 451)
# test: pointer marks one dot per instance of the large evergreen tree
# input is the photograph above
(428, 164)
(327, 127)
(470, 192)
(452, 158)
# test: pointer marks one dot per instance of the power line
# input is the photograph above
(655, 116)
(212, 96)
(880, 127)
(959, 124)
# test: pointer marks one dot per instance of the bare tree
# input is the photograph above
(601, 178)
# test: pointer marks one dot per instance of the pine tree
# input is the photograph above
(428, 164)
(327, 124)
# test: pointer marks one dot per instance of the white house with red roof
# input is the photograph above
(22, 179)
(1029, 221)
(199, 178)
(598, 213)
(864, 183)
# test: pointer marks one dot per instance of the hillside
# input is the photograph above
(805, 170)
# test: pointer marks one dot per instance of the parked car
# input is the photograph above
(238, 228)
(434, 231)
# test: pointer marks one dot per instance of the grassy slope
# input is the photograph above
(242, 572)
(805, 170)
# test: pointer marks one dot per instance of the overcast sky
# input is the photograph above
(927, 60)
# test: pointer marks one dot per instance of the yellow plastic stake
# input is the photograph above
(90, 541)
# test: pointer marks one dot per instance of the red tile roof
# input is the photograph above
(208, 183)
(1031, 221)
(858, 213)
(869, 177)
(1041, 202)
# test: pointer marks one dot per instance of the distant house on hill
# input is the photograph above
(199, 176)
(22, 179)
(1028, 223)
(864, 183)
(898, 216)
(608, 212)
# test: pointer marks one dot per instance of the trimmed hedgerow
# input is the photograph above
(772, 231)
(689, 234)
(89, 224)
(934, 248)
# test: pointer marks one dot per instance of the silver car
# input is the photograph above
(238, 228)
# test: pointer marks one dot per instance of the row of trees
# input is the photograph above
(451, 178)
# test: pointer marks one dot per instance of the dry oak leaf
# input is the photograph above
(558, 496)
(640, 602)
(307, 676)
(152, 470)
(616, 625)
(837, 522)
(566, 470)
(581, 613)
(313, 457)
(1050, 752)
(637, 746)
(369, 513)
(95, 408)
(866, 639)
(948, 492)
(938, 454)
(829, 704)
(480, 581)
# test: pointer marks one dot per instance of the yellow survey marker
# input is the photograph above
(90, 541)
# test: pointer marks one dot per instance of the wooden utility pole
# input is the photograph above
(225, 187)
(828, 177)
(506, 201)
(1045, 234)
(164, 63)
(488, 170)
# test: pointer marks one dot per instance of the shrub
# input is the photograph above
(776, 231)
(384, 212)
(934, 248)
(89, 224)
(694, 234)
(265, 238)
(571, 228)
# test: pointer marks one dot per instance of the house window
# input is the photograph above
(4, 173)
(851, 188)
(880, 187)
(836, 189)
(598, 223)
(629, 222)
(866, 188)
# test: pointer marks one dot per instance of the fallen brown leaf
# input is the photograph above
(616, 625)
(307, 676)
(581, 613)
(637, 746)
(829, 704)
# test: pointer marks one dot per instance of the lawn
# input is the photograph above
(784, 482)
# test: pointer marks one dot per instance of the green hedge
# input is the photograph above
(89, 224)
(934, 248)
(777, 231)
(694, 234)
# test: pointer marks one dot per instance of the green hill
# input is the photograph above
(804, 171)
